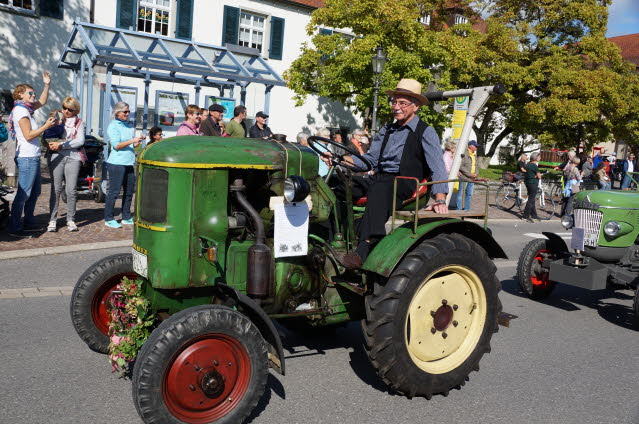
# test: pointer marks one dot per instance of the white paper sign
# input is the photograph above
(291, 229)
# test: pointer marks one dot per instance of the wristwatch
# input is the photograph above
(440, 201)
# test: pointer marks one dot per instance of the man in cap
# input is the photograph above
(260, 129)
(211, 124)
(407, 147)
(468, 170)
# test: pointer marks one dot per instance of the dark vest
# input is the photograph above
(413, 162)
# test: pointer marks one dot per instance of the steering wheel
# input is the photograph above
(338, 160)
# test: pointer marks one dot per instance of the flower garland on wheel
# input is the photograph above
(131, 324)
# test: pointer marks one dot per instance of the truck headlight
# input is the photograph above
(567, 221)
(296, 189)
(612, 228)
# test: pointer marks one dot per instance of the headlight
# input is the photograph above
(296, 189)
(612, 228)
(567, 222)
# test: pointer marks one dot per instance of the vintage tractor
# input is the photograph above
(605, 244)
(232, 234)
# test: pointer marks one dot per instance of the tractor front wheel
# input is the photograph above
(429, 325)
(89, 301)
(206, 364)
(533, 277)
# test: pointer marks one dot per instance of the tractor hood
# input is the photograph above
(609, 198)
(225, 152)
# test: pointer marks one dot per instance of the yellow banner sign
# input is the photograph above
(459, 116)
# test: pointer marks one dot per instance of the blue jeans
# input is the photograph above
(605, 185)
(29, 185)
(467, 198)
(626, 182)
(119, 176)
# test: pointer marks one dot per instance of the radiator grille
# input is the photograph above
(590, 221)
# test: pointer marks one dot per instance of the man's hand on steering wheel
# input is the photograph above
(338, 160)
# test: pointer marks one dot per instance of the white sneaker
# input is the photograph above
(71, 226)
(52, 227)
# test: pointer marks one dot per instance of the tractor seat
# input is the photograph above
(422, 190)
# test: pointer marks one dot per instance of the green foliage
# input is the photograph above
(131, 324)
(567, 84)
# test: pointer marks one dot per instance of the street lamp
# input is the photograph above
(379, 60)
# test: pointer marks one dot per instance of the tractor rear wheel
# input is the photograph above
(206, 364)
(89, 301)
(532, 276)
(429, 325)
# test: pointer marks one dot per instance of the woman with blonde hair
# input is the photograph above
(26, 133)
(449, 154)
(120, 165)
(65, 158)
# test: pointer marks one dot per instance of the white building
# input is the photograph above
(33, 34)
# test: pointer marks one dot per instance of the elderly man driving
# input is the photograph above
(406, 147)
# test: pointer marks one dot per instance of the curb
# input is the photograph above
(56, 250)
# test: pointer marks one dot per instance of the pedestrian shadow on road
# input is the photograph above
(570, 298)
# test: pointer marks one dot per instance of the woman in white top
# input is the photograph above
(26, 133)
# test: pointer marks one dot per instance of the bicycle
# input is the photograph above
(510, 194)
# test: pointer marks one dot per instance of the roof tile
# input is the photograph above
(629, 45)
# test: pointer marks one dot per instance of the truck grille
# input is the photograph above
(590, 221)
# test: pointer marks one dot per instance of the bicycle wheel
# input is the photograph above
(546, 208)
(506, 196)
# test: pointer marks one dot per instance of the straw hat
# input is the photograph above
(409, 87)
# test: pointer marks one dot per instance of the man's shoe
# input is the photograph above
(530, 220)
(351, 260)
(71, 226)
(19, 235)
(52, 227)
(127, 221)
(113, 224)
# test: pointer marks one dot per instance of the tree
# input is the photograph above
(567, 84)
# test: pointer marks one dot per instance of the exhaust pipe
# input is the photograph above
(258, 275)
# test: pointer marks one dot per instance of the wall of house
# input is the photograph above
(31, 44)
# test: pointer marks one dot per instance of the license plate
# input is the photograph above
(140, 263)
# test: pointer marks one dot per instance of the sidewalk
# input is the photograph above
(89, 218)
(92, 231)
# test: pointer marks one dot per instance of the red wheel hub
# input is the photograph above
(100, 302)
(206, 379)
(539, 276)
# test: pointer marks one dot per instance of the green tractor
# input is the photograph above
(234, 234)
(605, 248)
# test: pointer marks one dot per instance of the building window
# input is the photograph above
(20, 5)
(425, 19)
(252, 30)
(154, 16)
(460, 19)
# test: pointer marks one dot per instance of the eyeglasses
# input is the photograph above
(401, 104)
(69, 109)
(32, 93)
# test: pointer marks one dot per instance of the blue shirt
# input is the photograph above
(119, 131)
(395, 147)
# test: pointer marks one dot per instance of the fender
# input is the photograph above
(392, 248)
(557, 244)
(256, 314)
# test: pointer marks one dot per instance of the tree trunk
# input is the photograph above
(497, 140)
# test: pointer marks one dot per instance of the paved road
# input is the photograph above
(572, 359)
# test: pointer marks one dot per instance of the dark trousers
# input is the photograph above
(119, 176)
(566, 207)
(530, 211)
(378, 189)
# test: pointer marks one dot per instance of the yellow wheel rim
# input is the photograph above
(445, 319)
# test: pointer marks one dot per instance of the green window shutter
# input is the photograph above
(52, 8)
(184, 22)
(231, 25)
(277, 38)
(126, 14)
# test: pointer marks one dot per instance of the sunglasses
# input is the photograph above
(31, 93)
(126, 111)
(69, 109)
